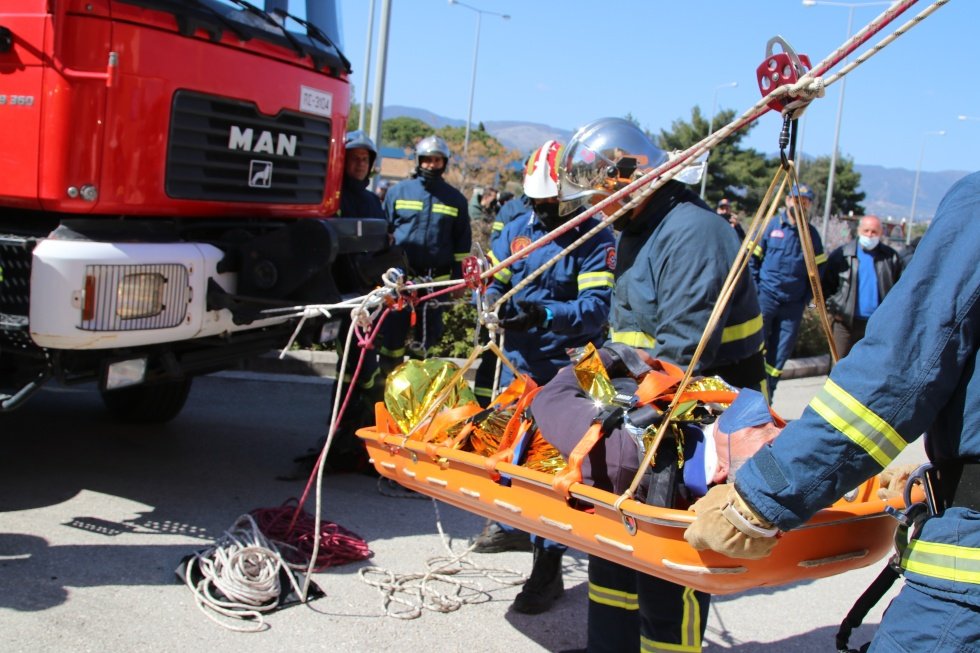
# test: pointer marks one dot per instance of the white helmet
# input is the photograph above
(541, 173)
(602, 157)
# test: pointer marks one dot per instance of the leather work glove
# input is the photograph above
(727, 525)
(528, 316)
(893, 479)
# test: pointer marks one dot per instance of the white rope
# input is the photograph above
(239, 576)
(445, 586)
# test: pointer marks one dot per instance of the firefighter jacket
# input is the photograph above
(672, 260)
(356, 201)
(432, 224)
(576, 290)
(840, 282)
(508, 212)
(914, 371)
(777, 262)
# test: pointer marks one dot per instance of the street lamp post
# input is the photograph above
(915, 186)
(711, 130)
(851, 6)
(476, 52)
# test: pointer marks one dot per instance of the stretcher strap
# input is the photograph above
(517, 426)
(573, 471)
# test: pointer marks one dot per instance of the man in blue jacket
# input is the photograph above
(564, 308)
(915, 370)
(429, 219)
(781, 278)
(673, 257)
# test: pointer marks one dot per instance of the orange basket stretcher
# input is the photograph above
(855, 532)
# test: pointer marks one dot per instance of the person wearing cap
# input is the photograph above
(781, 278)
(725, 210)
(915, 371)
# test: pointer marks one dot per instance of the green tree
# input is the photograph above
(846, 198)
(741, 174)
(403, 132)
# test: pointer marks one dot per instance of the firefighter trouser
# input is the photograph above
(630, 611)
(426, 332)
(781, 322)
(916, 621)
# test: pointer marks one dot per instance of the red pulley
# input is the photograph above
(778, 69)
(471, 272)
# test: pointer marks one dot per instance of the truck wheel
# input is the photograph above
(153, 403)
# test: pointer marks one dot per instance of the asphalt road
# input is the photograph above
(95, 517)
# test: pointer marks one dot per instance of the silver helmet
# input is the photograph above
(360, 140)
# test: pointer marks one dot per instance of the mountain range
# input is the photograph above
(888, 191)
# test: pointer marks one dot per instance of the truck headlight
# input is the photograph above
(140, 295)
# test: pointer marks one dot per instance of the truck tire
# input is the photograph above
(153, 403)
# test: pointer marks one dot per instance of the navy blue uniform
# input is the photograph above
(784, 288)
(673, 258)
(431, 222)
(914, 371)
(508, 212)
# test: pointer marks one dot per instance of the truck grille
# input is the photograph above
(15, 274)
(226, 150)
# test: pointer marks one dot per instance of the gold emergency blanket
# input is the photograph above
(413, 388)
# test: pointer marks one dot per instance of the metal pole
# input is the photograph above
(711, 130)
(362, 118)
(833, 155)
(381, 61)
(915, 186)
(469, 111)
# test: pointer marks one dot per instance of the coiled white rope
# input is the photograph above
(239, 576)
(441, 588)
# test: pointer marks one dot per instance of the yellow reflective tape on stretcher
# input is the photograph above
(742, 331)
(459, 256)
(445, 210)
(959, 564)
(408, 205)
(819, 259)
(502, 276)
(633, 339)
(588, 280)
(613, 598)
(860, 424)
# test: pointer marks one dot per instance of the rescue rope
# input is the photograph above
(443, 587)
(239, 576)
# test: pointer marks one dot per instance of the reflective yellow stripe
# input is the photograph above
(595, 280)
(959, 564)
(483, 392)
(633, 339)
(691, 623)
(408, 205)
(757, 251)
(446, 210)
(459, 256)
(860, 424)
(496, 226)
(442, 277)
(820, 258)
(365, 383)
(613, 598)
(504, 275)
(743, 330)
(392, 353)
(773, 371)
(650, 646)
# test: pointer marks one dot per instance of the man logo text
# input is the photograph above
(266, 143)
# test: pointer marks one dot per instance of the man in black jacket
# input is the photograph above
(858, 276)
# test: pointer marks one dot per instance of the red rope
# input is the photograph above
(338, 545)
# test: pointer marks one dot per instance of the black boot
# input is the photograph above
(494, 539)
(545, 585)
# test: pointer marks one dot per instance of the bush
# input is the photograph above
(812, 340)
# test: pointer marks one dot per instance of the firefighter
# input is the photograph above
(780, 275)
(673, 257)
(429, 219)
(915, 370)
(564, 308)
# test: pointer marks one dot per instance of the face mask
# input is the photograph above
(868, 243)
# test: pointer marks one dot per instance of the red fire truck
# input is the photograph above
(167, 171)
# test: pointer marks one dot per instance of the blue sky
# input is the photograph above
(566, 62)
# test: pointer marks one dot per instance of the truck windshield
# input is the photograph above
(249, 21)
